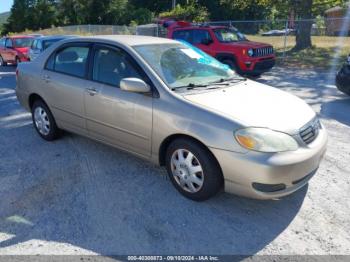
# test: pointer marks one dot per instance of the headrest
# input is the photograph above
(68, 56)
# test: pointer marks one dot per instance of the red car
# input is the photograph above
(226, 44)
(15, 49)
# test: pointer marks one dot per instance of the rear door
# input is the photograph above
(64, 83)
(115, 116)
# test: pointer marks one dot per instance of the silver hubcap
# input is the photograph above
(187, 170)
(41, 121)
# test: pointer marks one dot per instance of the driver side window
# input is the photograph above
(111, 66)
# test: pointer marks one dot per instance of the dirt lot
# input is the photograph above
(76, 196)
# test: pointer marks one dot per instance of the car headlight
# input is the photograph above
(250, 52)
(265, 140)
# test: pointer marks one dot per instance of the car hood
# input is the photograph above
(257, 105)
(23, 50)
(248, 44)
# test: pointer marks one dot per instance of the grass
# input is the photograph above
(327, 51)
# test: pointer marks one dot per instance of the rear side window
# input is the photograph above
(39, 45)
(71, 60)
(200, 36)
(112, 65)
(8, 42)
(183, 35)
(2, 42)
(34, 44)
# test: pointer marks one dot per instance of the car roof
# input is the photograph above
(200, 27)
(20, 36)
(129, 40)
(52, 37)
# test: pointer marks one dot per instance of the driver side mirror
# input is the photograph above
(206, 41)
(135, 85)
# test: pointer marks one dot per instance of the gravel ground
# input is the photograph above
(76, 196)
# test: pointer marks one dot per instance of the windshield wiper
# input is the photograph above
(190, 86)
(227, 81)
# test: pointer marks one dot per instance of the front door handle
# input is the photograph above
(91, 91)
(46, 78)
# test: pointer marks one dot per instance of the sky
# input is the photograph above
(5, 5)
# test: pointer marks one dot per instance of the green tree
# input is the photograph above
(17, 19)
(31, 14)
(306, 11)
(190, 12)
(72, 12)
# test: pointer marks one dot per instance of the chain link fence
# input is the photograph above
(330, 37)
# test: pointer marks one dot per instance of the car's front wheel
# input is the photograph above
(44, 121)
(231, 63)
(193, 170)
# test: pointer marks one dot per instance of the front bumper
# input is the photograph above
(285, 172)
(24, 58)
(257, 66)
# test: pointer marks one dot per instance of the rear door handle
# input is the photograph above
(91, 91)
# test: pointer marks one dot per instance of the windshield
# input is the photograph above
(227, 35)
(23, 42)
(182, 65)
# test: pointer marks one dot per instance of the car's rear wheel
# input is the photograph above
(193, 170)
(44, 121)
(2, 62)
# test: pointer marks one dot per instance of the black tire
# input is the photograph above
(2, 62)
(213, 179)
(231, 63)
(343, 80)
(54, 132)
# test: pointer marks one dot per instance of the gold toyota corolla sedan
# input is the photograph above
(170, 103)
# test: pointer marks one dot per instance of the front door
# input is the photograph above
(9, 53)
(115, 116)
(201, 38)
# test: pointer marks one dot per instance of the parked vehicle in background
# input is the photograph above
(343, 78)
(172, 104)
(36, 35)
(226, 44)
(42, 43)
(15, 49)
(279, 32)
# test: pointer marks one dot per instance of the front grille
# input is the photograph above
(264, 51)
(310, 131)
